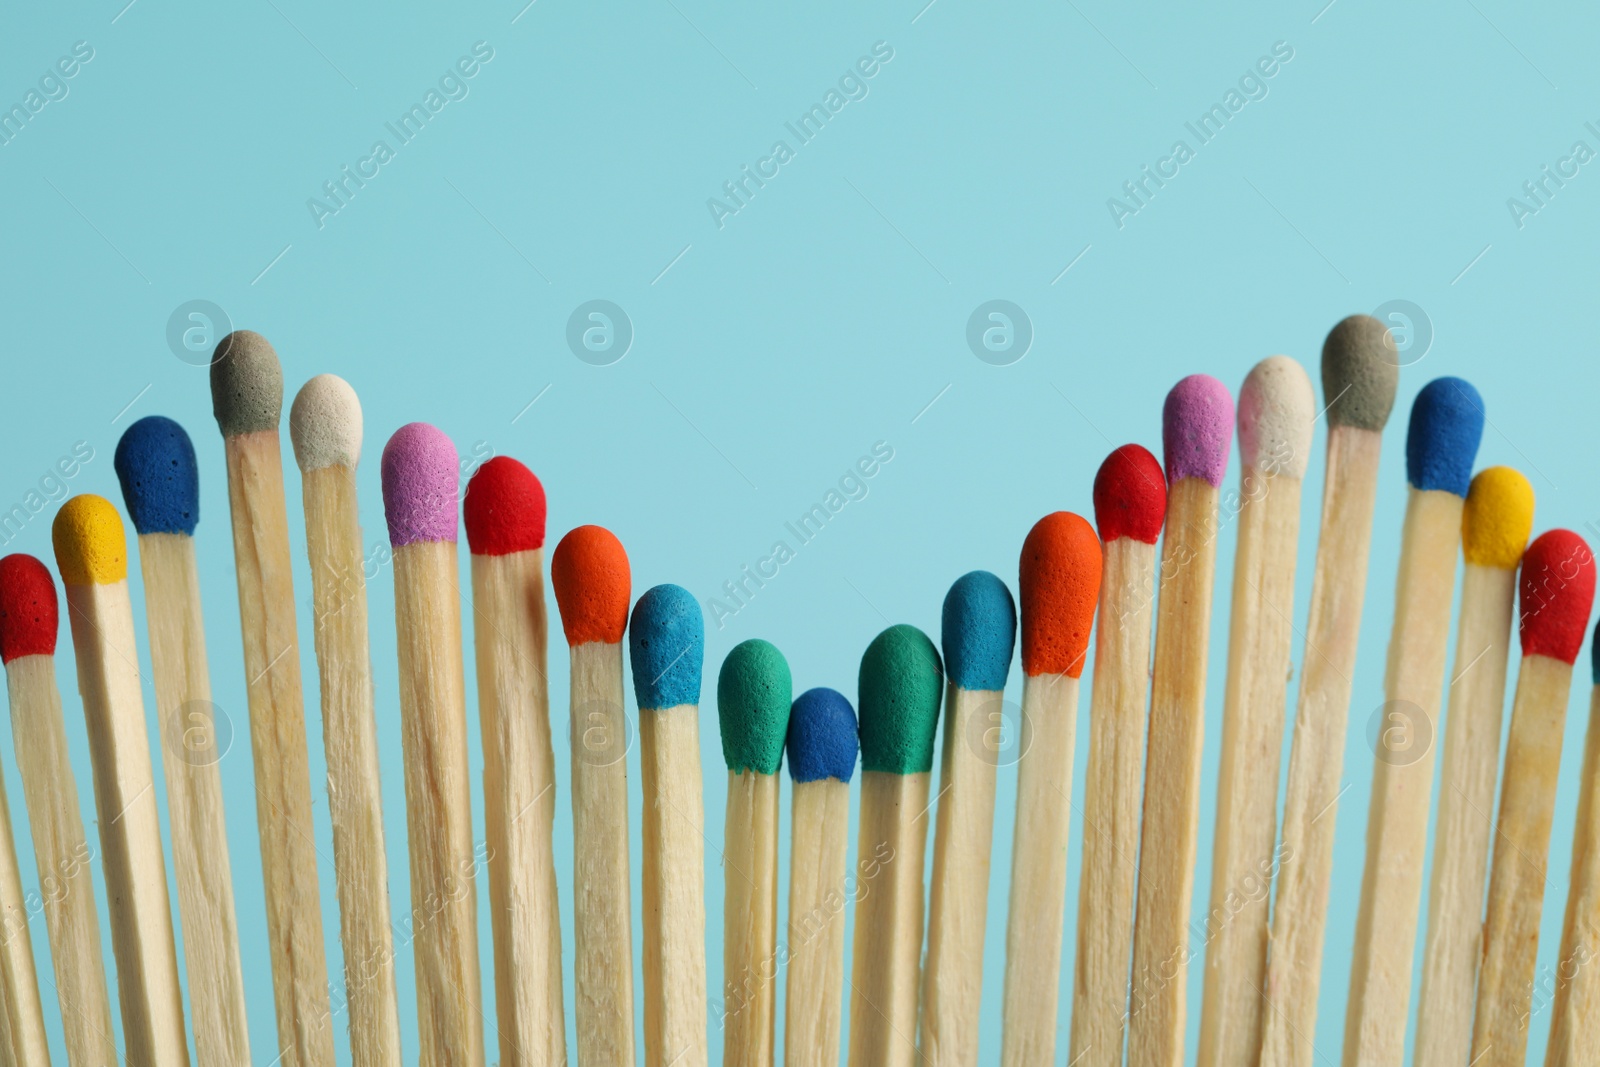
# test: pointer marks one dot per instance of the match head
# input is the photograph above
(589, 571)
(1557, 591)
(246, 384)
(420, 470)
(1276, 411)
(979, 632)
(160, 481)
(325, 424)
(1360, 371)
(91, 546)
(900, 682)
(1442, 441)
(753, 694)
(1497, 519)
(667, 647)
(28, 611)
(1060, 580)
(823, 739)
(504, 509)
(1130, 495)
(1197, 429)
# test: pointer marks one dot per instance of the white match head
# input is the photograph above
(325, 424)
(1276, 412)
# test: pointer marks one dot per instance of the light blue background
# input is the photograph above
(828, 314)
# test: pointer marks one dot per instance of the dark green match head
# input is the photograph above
(900, 686)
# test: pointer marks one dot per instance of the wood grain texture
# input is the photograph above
(21, 1012)
(820, 888)
(750, 961)
(1575, 1018)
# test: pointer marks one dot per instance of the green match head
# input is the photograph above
(754, 692)
(900, 686)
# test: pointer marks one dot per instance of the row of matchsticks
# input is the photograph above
(916, 971)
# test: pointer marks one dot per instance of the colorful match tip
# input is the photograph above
(420, 471)
(1594, 655)
(1497, 519)
(979, 632)
(325, 424)
(667, 647)
(1442, 442)
(593, 583)
(1276, 411)
(160, 482)
(28, 619)
(900, 682)
(1060, 579)
(1197, 429)
(823, 738)
(1557, 592)
(1360, 371)
(246, 384)
(91, 546)
(753, 694)
(1130, 495)
(504, 509)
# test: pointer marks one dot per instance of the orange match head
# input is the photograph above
(1060, 586)
(593, 585)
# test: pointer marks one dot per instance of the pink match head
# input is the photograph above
(420, 472)
(1197, 429)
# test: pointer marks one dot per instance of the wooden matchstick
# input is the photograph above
(900, 682)
(247, 398)
(979, 631)
(325, 427)
(1276, 410)
(1494, 531)
(1446, 424)
(666, 645)
(92, 555)
(1197, 429)
(504, 513)
(822, 745)
(589, 571)
(155, 464)
(21, 1012)
(1557, 587)
(1360, 369)
(419, 472)
(1130, 504)
(1060, 584)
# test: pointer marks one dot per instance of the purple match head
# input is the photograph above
(420, 485)
(1197, 429)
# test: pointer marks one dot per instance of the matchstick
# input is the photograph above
(753, 691)
(504, 513)
(823, 743)
(666, 645)
(1130, 504)
(247, 399)
(419, 472)
(325, 427)
(92, 555)
(1360, 369)
(1197, 429)
(1276, 410)
(155, 465)
(1446, 425)
(979, 632)
(1494, 531)
(29, 620)
(1060, 584)
(900, 682)
(589, 571)
(21, 1012)
(1557, 593)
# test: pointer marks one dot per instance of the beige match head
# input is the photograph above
(1360, 371)
(1497, 518)
(246, 384)
(1276, 412)
(325, 424)
(91, 545)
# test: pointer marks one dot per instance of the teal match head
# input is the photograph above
(823, 738)
(666, 644)
(753, 695)
(900, 685)
(1442, 440)
(979, 632)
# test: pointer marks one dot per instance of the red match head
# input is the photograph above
(1060, 584)
(1557, 592)
(504, 509)
(593, 585)
(1130, 496)
(28, 619)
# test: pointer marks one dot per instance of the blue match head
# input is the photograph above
(160, 482)
(1446, 426)
(979, 632)
(823, 739)
(667, 645)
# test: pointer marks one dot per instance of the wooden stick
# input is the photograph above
(23, 1014)
(1575, 1018)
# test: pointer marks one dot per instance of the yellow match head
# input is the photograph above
(91, 547)
(1498, 518)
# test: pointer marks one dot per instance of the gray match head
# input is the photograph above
(246, 384)
(1360, 371)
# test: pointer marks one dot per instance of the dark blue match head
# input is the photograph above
(823, 739)
(1446, 426)
(979, 632)
(160, 482)
(667, 645)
